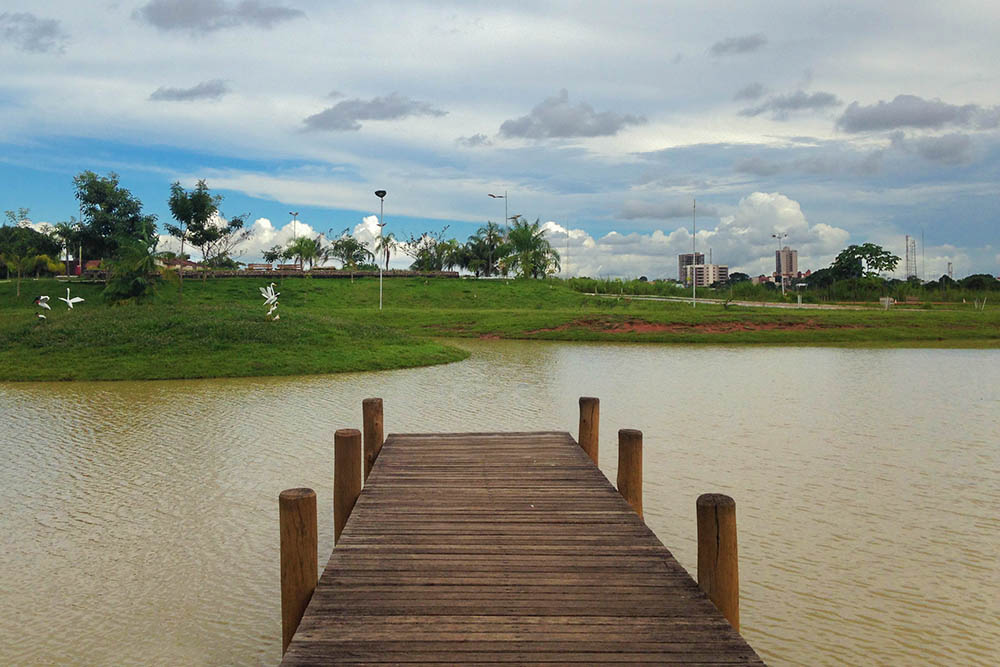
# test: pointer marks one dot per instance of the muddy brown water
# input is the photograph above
(139, 519)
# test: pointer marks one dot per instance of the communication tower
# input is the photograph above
(949, 270)
(911, 257)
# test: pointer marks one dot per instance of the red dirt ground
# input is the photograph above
(641, 326)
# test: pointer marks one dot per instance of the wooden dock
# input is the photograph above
(502, 547)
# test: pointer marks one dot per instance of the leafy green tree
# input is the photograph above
(431, 251)
(485, 250)
(191, 210)
(23, 250)
(532, 256)
(111, 215)
(351, 252)
(217, 238)
(273, 254)
(134, 273)
(863, 261)
(737, 277)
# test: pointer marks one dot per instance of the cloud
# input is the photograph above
(209, 15)
(742, 44)
(742, 241)
(634, 209)
(556, 118)
(949, 149)
(915, 112)
(475, 141)
(781, 105)
(757, 167)
(345, 116)
(30, 33)
(751, 91)
(206, 90)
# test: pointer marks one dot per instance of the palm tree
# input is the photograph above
(66, 233)
(493, 238)
(531, 253)
(384, 245)
(305, 249)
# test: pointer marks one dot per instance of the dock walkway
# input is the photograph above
(504, 548)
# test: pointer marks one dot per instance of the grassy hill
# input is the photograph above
(333, 325)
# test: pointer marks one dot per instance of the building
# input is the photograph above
(687, 259)
(786, 262)
(706, 274)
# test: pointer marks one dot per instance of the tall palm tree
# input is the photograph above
(384, 245)
(305, 249)
(532, 256)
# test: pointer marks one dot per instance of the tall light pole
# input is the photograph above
(781, 263)
(295, 217)
(504, 198)
(381, 223)
(694, 255)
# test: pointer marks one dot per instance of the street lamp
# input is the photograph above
(504, 198)
(295, 215)
(781, 263)
(381, 223)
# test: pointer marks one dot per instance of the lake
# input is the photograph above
(140, 520)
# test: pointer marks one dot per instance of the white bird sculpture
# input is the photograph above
(270, 296)
(273, 308)
(69, 301)
(41, 316)
(42, 302)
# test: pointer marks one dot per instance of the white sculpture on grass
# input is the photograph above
(69, 301)
(270, 299)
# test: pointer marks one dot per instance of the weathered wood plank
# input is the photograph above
(503, 548)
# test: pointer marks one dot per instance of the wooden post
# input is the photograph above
(630, 467)
(346, 476)
(299, 564)
(718, 562)
(590, 418)
(372, 411)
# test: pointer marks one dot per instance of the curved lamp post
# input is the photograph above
(381, 223)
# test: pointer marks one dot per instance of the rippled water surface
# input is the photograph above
(139, 520)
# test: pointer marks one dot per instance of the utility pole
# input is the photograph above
(694, 255)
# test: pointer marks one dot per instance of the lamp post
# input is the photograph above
(694, 255)
(381, 223)
(504, 198)
(781, 264)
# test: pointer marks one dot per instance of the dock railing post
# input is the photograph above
(630, 467)
(372, 410)
(718, 562)
(590, 422)
(299, 562)
(346, 476)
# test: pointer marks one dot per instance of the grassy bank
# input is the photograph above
(326, 326)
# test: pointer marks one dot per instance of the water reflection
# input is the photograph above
(140, 520)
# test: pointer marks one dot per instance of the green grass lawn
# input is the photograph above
(333, 325)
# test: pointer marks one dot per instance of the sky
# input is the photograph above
(617, 125)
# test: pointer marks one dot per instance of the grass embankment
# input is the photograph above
(331, 326)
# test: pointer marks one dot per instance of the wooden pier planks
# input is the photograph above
(503, 548)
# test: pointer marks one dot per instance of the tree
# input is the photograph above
(217, 238)
(134, 274)
(863, 261)
(350, 251)
(17, 218)
(431, 251)
(273, 254)
(66, 233)
(737, 277)
(305, 249)
(485, 249)
(384, 245)
(192, 210)
(531, 253)
(111, 215)
(23, 250)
